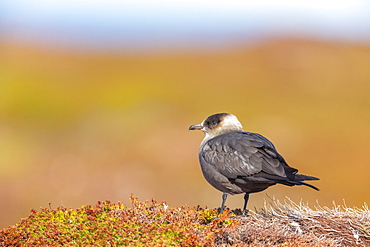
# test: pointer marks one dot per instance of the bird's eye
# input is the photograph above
(214, 122)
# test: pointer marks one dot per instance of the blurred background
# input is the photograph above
(96, 97)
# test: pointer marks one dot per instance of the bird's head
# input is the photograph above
(218, 124)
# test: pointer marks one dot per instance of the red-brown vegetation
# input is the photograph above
(156, 224)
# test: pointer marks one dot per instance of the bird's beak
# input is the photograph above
(196, 127)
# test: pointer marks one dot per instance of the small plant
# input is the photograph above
(150, 223)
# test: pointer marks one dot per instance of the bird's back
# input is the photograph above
(238, 162)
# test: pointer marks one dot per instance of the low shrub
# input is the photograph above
(150, 223)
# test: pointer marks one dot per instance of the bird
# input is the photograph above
(234, 161)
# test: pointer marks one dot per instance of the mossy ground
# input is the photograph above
(150, 223)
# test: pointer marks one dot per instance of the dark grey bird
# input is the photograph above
(235, 162)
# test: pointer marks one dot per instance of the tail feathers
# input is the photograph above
(297, 179)
(309, 185)
(301, 177)
(291, 180)
(294, 182)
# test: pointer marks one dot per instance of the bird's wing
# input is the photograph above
(244, 154)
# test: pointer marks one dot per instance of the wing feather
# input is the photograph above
(244, 154)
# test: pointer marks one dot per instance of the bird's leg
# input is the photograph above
(246, 197)
(224, 197)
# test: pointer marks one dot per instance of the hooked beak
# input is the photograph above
(196, 127)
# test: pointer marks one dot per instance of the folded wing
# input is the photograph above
(245, 154)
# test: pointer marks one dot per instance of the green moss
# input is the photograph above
(145, 223)
(155, 224)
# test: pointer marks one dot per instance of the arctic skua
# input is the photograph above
(235, 162)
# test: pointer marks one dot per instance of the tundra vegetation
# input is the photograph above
(150, 223)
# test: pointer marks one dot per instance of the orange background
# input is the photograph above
(78, 127)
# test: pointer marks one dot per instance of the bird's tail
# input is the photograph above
(299, 178)
(309, 185)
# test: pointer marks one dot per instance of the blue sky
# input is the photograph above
(150, 22)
